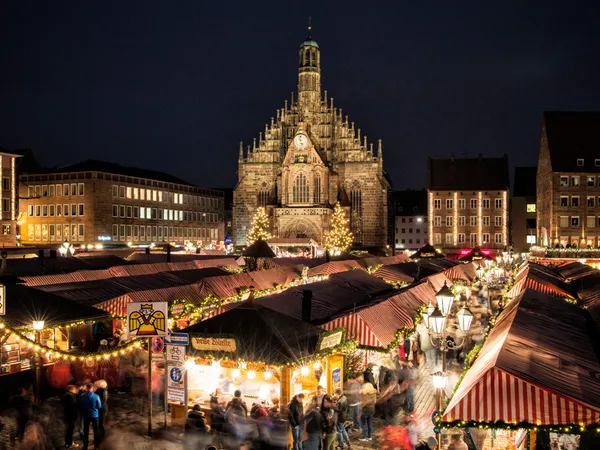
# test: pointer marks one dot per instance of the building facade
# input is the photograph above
(9, 209)
(523, 228)
(568, 180)
(309, 157)
(99, 202)
(467, 203)
(410, 225)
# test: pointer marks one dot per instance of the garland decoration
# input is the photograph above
(52, 353)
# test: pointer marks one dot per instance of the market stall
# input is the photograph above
(266, 355)
(534, 372)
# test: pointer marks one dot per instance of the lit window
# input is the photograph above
(530, 239)
(437, 204)
(564, 181)
(300, 191)
(530, 207)
(597, 162)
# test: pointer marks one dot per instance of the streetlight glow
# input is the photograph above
(445, 298)
(437, 321)
(465, 317)
(440, 379)
(38, 325)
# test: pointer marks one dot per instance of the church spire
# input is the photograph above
(309, 72)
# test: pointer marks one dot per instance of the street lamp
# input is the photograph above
(427, 314)
(480, 272)
(438, 321)
(38, 326)
(445, 298)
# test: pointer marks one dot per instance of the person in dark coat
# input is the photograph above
(343, 414)
(71, 409)
(368, 375)
(195, 429)
(314, 427)
(329, 423)
(217, 420)
(102, 392)
(296, 420)
(22, 403)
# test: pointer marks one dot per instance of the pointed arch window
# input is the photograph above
(317, 189)
(264, 195)
(300, 192)
(356, 211)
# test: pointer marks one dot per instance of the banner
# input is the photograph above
(214, 344)
(147, 319)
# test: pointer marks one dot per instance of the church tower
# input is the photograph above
(309, 75)
(310, 156)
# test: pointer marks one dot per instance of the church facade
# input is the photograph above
(307, 159)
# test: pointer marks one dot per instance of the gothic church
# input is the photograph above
(309, 158)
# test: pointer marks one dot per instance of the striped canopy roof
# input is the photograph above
(537, 366)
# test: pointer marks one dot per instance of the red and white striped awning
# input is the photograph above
(500, 396)
(356, 329)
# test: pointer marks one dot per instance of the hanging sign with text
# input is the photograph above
(331, 341)
(214, 344)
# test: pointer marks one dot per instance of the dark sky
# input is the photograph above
(175, 85)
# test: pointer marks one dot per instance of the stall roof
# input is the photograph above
(43, 266)
(332, 267)
(539, 365)
(543, 279)
(341, 292)
(573, 270)
(262, 334)
(25, 304)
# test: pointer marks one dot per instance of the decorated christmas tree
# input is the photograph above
(339, 238)
(260, 227)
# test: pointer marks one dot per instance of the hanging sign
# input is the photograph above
(2, 300)
(214, 344)
(176, 383)
(178, 339)
(331, 341)
(147, 319)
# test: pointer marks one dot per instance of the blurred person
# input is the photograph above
(235, 417)
(329, 423)
(22, 403)
(429, 444)
(319, 394)
(89, 408)
(314, 427)
(343, 411)
(237, 400)
(262, 421)
(457, 443)
(101, 389)
(195, 428)
(217, 420)
(411, 381)
(296, 420)
(352, 389)
(368, 374)
(70, 408)
(411, 438)
(368, 398)
(275, 410)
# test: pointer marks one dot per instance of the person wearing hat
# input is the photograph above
(329, 421)
(429, 444)
(368, 399)
(296, 420)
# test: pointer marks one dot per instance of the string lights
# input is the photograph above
(339, 237)
(260, 227)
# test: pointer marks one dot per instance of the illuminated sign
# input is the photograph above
(104, 238)
(530, 207)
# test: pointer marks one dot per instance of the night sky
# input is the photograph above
(174, 86)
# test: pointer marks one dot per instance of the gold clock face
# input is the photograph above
(300, 141)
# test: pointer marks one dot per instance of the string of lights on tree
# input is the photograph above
(259, 229)
(339, 237)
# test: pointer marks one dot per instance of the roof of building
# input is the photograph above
(262, 334)
(309, 42)
(573, 135)
(525, 182)
(468, 174)
(94, 165)
(410, 202)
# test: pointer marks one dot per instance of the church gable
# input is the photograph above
(301, 150)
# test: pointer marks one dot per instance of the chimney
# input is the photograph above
(306, 304)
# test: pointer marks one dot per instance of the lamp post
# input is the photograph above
(38, 326)
(436, 322)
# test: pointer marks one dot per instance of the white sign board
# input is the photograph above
(147, 319)
(214, 344)
(176, 395)
(176, 353)
(2, 300)
(178, 338)
(331, 341)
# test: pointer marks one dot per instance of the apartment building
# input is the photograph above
(568, 180)
(410, 225)
(102, 202)
(9, 195)
(468, 202)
